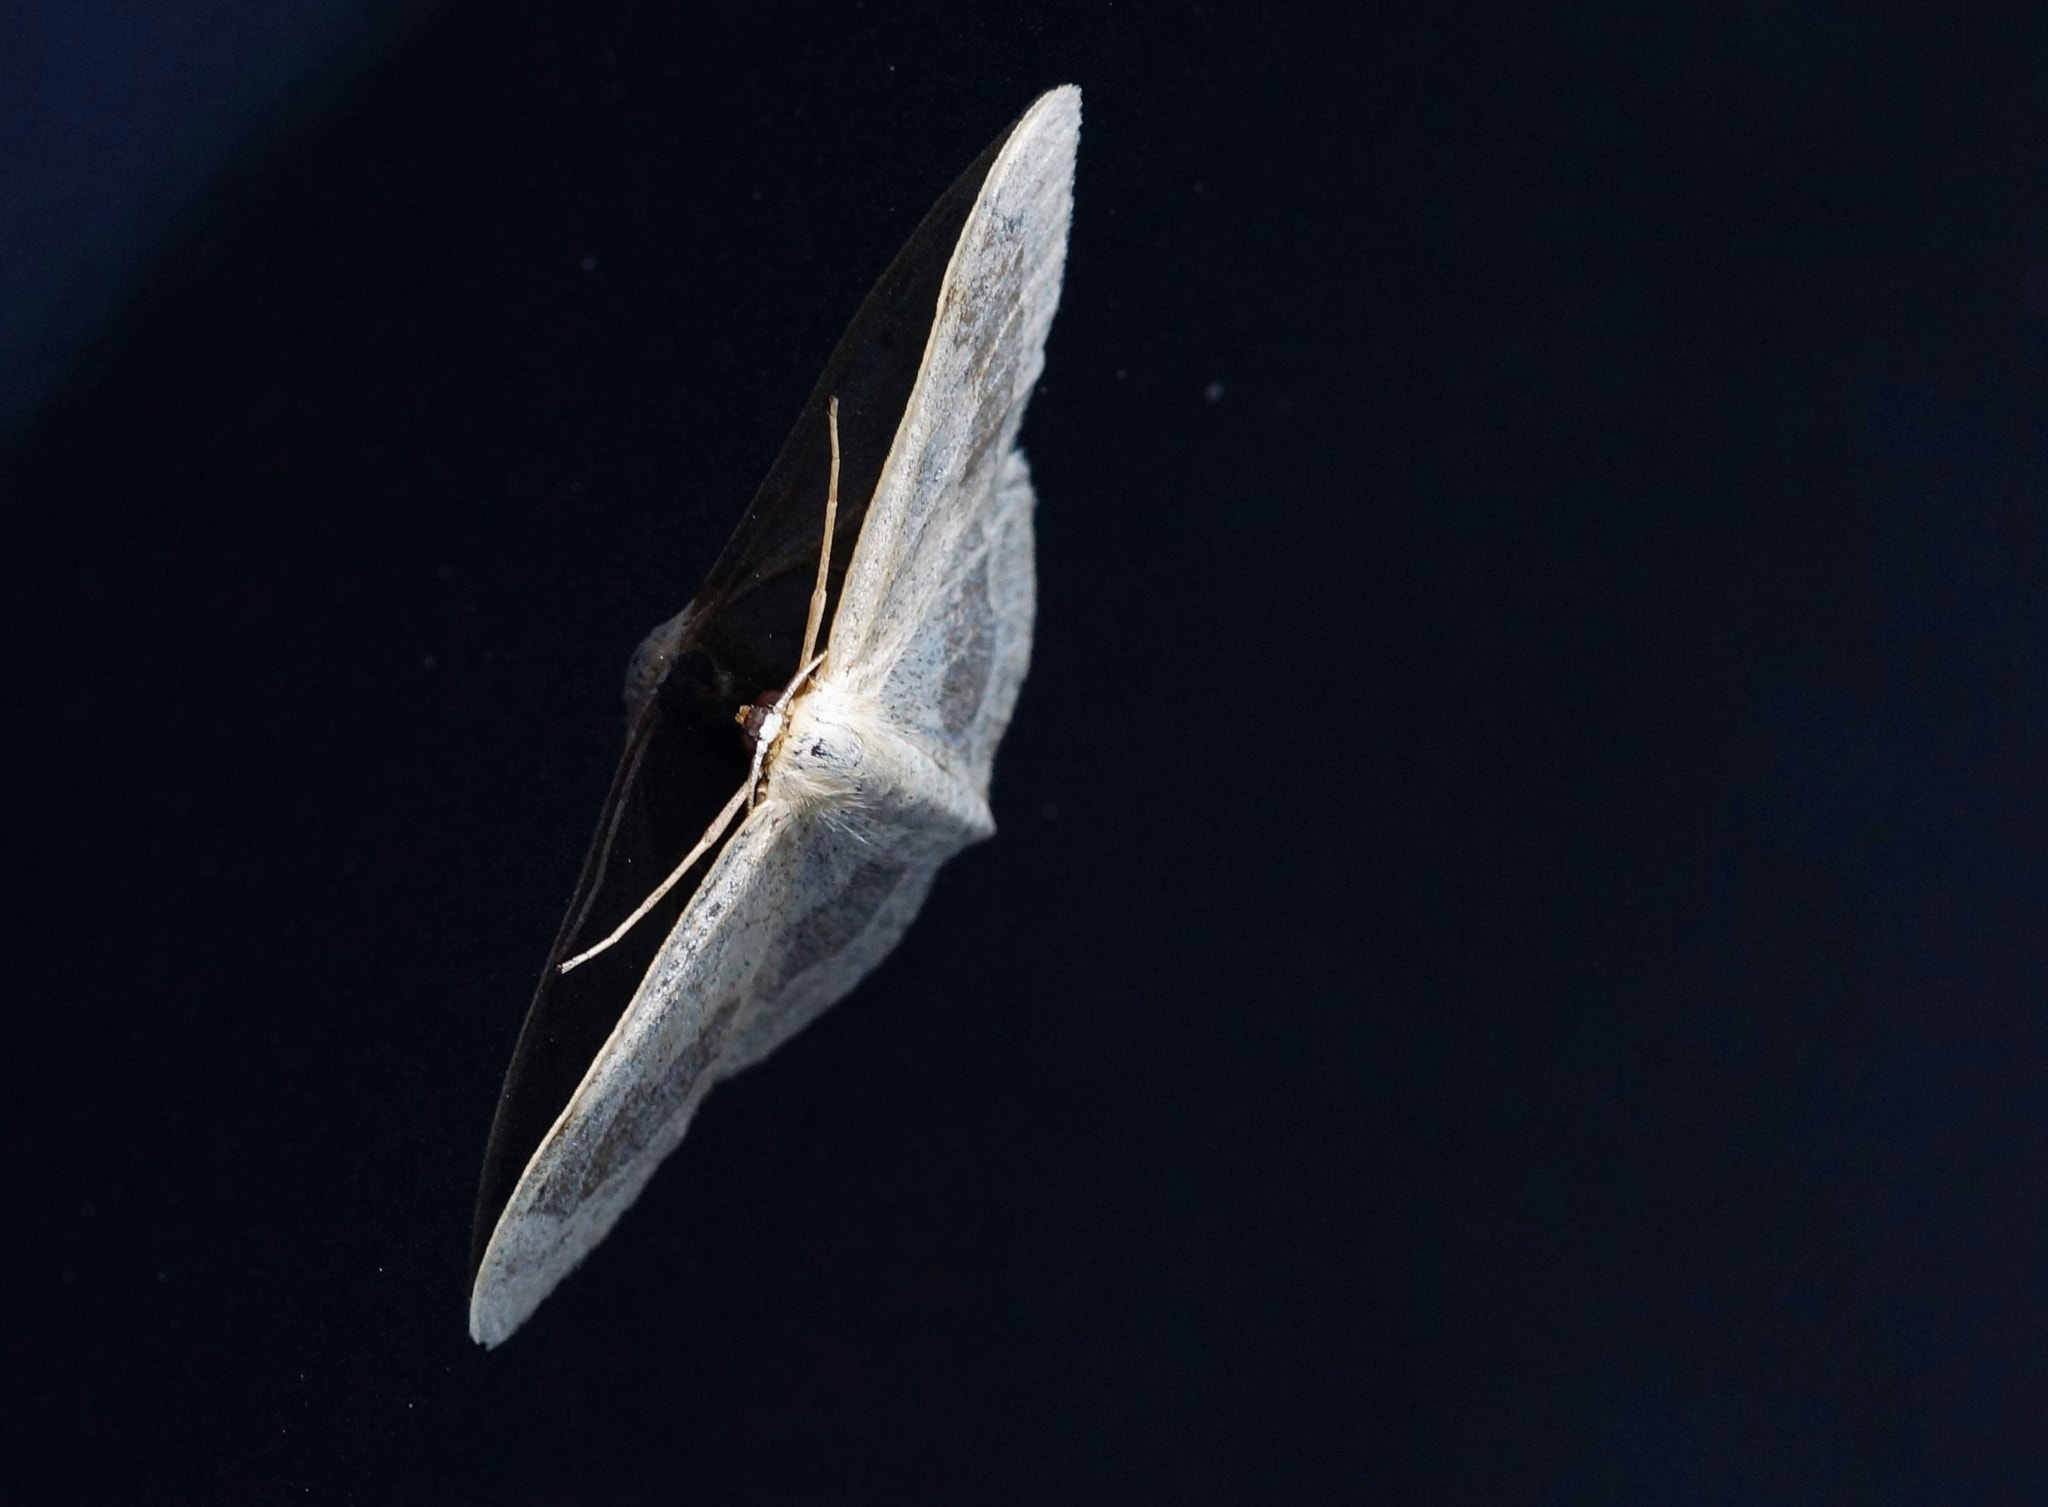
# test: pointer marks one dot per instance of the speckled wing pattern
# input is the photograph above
(883, 772)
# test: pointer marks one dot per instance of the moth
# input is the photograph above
(810, 738)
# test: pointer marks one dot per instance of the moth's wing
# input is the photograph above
(795, 909)
(935, 619)
(576, 1138)
(739, 636)
(751, 610)
(683, 760)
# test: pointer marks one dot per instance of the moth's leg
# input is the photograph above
(771, 729)
(816, 619)
(711, 835)
(773, 724)
(749, 793)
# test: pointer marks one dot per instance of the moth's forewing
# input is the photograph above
(684, 753)
(755, 600)
(683, 760)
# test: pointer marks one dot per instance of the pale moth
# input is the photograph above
(810, 738)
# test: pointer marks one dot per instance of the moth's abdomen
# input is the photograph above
(841, 755)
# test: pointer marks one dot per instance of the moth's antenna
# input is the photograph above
(771, 725)
(711, 835)
(817, 617)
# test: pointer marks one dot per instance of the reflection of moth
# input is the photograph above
(840, 791)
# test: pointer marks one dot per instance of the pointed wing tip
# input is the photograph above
(530, 1252)
(497, 1308)
(507, 1291)
(1057, 109)
(490, 1325)
(1045, 141)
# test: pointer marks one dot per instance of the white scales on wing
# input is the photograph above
(880, 770)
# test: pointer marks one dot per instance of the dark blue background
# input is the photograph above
(1513, 970)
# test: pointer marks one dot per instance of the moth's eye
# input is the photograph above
(754, 716)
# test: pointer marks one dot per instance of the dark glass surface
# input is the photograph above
(1511, 969)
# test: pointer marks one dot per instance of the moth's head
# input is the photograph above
(760, 720)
